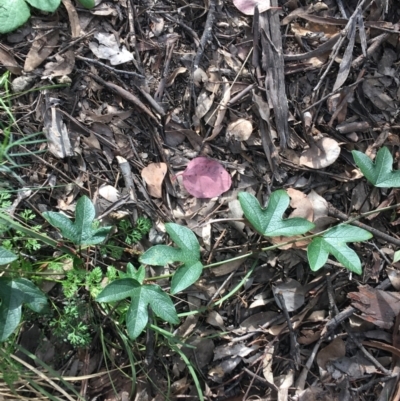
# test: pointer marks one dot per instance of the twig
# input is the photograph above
(376, 44)
(130, 97)
(294, 345)
(206, 35)
(189, 30)
(261, 379)
(99, 63)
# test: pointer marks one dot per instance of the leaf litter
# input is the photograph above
(279, 100)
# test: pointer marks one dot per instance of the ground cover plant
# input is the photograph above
(199, 200)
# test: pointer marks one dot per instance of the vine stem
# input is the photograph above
(352, 220)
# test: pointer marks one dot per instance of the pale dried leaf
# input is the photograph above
(301, 204)
(233, 349)
(204, 103)
(322, 154)
(154, 175)
(240, 130)
(319, 204)
(108, 48)
(292, 292)
(109, 193)
(199, 77)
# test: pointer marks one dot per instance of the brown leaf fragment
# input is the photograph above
(154, 175)
(335, 350)
(377, 306)
(64, 65)
(374, 90)
(73, 18)
(9, 62)
(55, 129)
(41, 48)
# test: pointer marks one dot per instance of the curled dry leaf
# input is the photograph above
(206, 178)
(154, 175)
(174, 74)
(321, 154)
(240, 130)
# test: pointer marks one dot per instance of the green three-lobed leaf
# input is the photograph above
(188, 253)
(334, 242)
(14, 293)
(269, 221)
(81, 231)
(6, 256)
(141, 297)
(379, 173)
(14, 13)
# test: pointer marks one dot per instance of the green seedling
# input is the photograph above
(269, 221)
(380, 174)
(334, 242)
(142, 296)
(83, 230)
(187, 253)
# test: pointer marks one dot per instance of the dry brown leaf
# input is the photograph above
(215, 319)
(174, 74)
(377, 306)
(154, 175)
(8, 61)
(321, 154)
(240, 130)
(73, 18)
(335, 350)
(41, 49)
(64, 65)
(301, 204)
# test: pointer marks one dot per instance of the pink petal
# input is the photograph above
(206, 178)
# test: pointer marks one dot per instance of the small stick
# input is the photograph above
(206, 35)
(332, 211)
(294, 345)
(108, 67)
